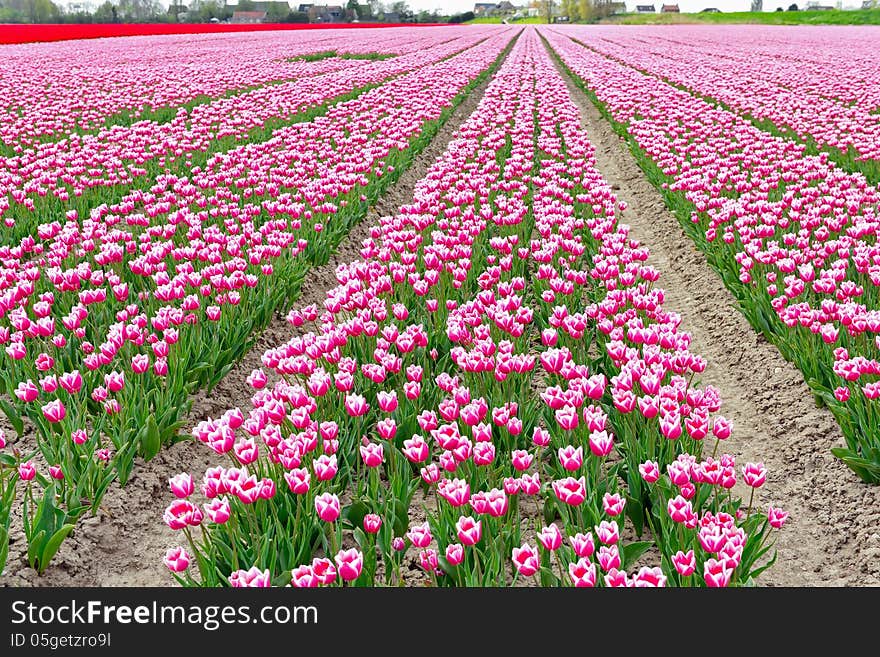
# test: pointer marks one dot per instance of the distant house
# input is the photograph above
(325, 14)
(670, 9)
(616, 8)
(249, 17)
(483, 9)
(304, 9)
(645, 9)
(868, 4)
(710, 10)
(503, 8)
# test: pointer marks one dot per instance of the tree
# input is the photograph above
(106, 13)
(277, 12)
(792, 7)
(202, 11)
(584, 10)
(570, 9)
(462, 18)
(42, 11)
(548, 10)
(757, 5)
(779, 9)
(246, 5)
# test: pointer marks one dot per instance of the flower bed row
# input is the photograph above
(81, 172)
(793, 236)
(777, 101)
(50, 90)
(110, 324)
(494, 388)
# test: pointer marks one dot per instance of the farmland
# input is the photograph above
(476, 305)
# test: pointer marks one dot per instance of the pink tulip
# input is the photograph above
(356, 405)
(303, 577)
(530, 484)
(372, 454)
(582, 573)
(570, 458)
(601, 443)
(684, 562)
(776, 517)
(540, 437)
(176, 559)
(420, 535)
(372, 523)
(27, 391)
(716, 574)
(182, 513)
(253, 578)
(521, 460)
(27, 471)
(415, 449)
(218, 510)
(298, 480)
(613, 504)
(550, 537)
(349, 564)
(325, 467)
(608, 532)
(454, 554)
(257, 379)
(324, 571)
(181, 485)
(648, 577)
(754, 474)
(71, 382)
(570, 490)
(525, 559)
(608, 557)
(327, 507)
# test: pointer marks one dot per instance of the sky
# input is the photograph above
(459, 6)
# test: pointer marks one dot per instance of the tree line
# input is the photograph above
(197, 11)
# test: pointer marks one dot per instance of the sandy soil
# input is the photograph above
(124, 545)
(832, 536)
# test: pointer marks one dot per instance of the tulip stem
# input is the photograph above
(559, 566)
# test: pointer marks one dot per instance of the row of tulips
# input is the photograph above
(822, 60)
(793, 236)
(494, 392)
(775, 93)
(81, 172)
(50, 90)
(110, 323)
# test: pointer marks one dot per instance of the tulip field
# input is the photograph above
(495, 389)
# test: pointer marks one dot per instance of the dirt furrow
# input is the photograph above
(832, 536)
(124, 544)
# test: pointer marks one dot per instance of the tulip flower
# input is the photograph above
(177, 559)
